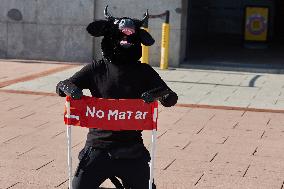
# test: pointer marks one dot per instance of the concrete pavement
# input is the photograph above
(233, 143)
(216, 88)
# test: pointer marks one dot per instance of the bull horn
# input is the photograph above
(107, 14)
(146, 16)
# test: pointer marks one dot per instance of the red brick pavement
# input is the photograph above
(196, 147)
(13, 72)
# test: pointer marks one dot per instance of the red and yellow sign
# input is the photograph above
(256, 28)
(111, 114)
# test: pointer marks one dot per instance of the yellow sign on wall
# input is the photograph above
(256, 26)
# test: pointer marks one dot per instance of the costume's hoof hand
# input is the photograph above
(66, 87)
(148, 98)
(60, 93)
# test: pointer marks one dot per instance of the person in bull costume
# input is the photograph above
(118, 75)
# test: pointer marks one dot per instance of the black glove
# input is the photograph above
(165, 95)
(64, 88)
(155, 94)
(59, 91)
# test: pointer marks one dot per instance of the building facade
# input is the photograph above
(199, 30)
(46, 29)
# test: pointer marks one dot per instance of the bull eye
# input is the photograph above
(122, 21)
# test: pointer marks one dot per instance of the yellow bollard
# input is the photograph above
(165, 46)
(145, 52)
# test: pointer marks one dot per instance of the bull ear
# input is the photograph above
(98, 28)
(146, 38)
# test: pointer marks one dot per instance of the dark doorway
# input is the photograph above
(215, 34)
(279, 17)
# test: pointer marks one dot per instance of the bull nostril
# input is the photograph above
(128, 31)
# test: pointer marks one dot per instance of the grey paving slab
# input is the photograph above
(49, 82)
(235, 80)
(204, 87)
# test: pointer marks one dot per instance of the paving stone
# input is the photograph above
(196, 147)
(9, 68)
(254, 183)
(218, 181)
(183, 155)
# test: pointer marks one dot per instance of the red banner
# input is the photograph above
(111, 114)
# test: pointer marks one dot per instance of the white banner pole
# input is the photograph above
(153, 148)
(69, 153)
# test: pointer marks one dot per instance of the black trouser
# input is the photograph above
(96, 166)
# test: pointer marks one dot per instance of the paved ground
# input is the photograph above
(227, 131)
(217, 88)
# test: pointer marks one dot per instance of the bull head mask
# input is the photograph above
(122, 37)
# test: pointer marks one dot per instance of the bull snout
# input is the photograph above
(127, 26)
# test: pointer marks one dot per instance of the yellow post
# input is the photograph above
(165, 46)
(145, 51)
(164, 64)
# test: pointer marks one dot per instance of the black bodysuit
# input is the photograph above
(118, 81)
